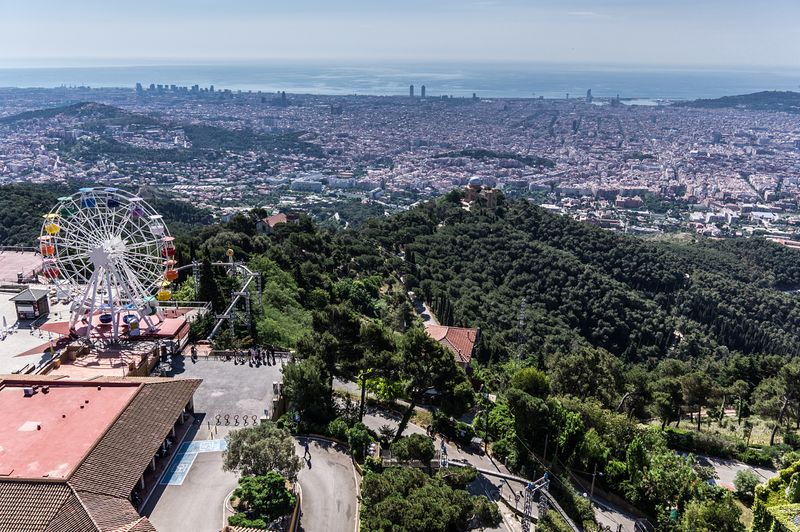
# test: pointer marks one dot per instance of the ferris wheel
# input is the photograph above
(116, 254)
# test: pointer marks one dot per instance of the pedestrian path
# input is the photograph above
(184, 458)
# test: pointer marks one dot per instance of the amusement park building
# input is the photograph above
(73, 453)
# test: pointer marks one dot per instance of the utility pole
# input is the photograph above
(591, 491)
(521, 326)
(486, 423)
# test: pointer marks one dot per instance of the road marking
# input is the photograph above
(184, 458)
(204, 446)
(178, 469)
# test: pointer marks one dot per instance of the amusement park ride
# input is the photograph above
(110, 253)
(113, 255)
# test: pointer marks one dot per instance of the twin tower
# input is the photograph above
(411, 91)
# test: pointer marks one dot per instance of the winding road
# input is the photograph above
(330, 489)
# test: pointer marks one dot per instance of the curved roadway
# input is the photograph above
(330, 490)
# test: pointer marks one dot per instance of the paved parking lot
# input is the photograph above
(192, 492)
(229, 389)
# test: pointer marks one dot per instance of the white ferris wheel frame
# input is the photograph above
(113, 249)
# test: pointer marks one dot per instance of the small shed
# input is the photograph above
(31, 303)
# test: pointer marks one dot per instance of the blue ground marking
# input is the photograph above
(204, 446)
(178, 469)
(184, 458)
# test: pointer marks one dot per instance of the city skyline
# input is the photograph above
(624, 32)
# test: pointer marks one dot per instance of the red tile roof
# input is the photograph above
(95, 496)
(275, 219)
(460, 340)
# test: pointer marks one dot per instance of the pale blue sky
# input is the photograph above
(643, 32)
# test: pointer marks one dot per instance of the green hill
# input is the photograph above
(786, 101)
(636, 298)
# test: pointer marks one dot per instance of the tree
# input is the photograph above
(209, 289)
(697, 390)
(379, 357)
(531, 414)
(592, 450)
(745, 484)
(404, 498)
(425, 364)
(264, 497)
(459, 401)
(775, 395)
(740, 390)
(718, 513)
(587, 372)
(260, 449)
(414, 447)
(532, 381)
(667, 396)
(358, 438)
(307, 387)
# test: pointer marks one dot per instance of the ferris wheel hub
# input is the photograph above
(110, 250)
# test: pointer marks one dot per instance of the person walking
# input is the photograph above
(307, 453)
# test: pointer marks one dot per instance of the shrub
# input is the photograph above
(552, 522)
(240, 519)
(789, 458)
(700, 442)
(286, 422)
(745, 483)
(337, 429)
(386, 433)
(358, 437)
(372, 464)
(792, 439)
(793, 492)
(759, 457)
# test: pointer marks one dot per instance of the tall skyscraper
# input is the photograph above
(422, 92)
(411, 91)
(589, 97)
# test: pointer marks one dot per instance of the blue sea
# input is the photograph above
(486, 80)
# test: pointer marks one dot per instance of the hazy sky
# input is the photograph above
(648, 32)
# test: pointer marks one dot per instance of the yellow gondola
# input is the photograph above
(164, 295)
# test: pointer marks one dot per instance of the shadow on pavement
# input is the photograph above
(159, 488)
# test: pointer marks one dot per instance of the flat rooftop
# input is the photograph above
(47, 435)
(14, 262)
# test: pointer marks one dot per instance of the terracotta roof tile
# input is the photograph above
(109, 513)
(460, 340)
(133, 439)
(41, 506)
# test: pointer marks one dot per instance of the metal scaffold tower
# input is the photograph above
(540, 486)
(235, 269)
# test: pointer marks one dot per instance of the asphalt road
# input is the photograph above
(726, 470)
(330, 492)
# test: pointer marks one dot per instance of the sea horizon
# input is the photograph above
(392, 78)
